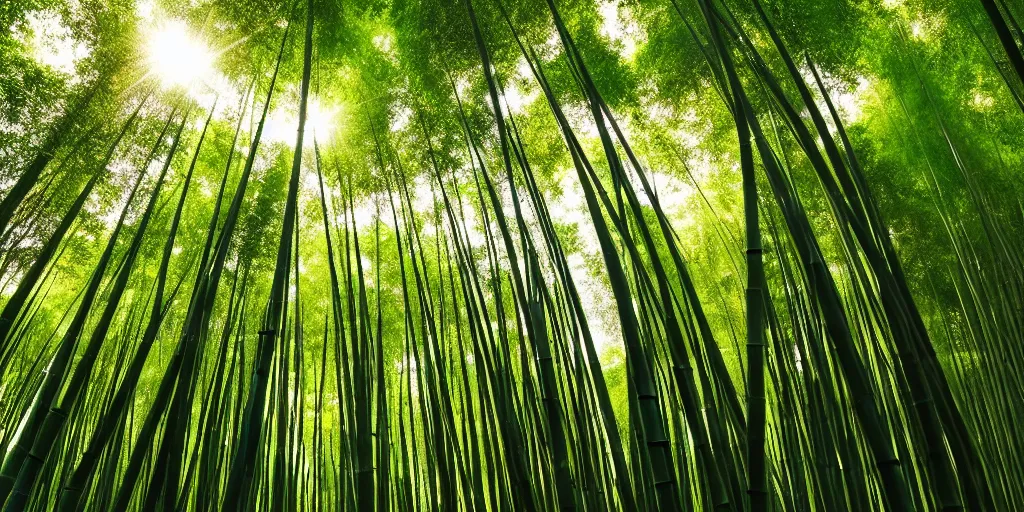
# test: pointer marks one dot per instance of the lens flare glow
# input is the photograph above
(321, 120)
(177, 58)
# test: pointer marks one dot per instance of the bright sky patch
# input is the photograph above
(177, 57)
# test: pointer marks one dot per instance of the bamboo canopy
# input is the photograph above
(394, 255)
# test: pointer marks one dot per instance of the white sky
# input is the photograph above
(618, 25)
(51, 42)
(282, 124)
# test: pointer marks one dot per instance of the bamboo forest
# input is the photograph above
(511, 255)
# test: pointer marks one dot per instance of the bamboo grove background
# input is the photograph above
(529, 263)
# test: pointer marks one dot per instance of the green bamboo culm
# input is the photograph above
(757, 487)
(237, 488)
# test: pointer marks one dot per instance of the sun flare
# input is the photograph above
(321, 121)
(177, 57)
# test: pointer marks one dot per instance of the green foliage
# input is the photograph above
(560, 315)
